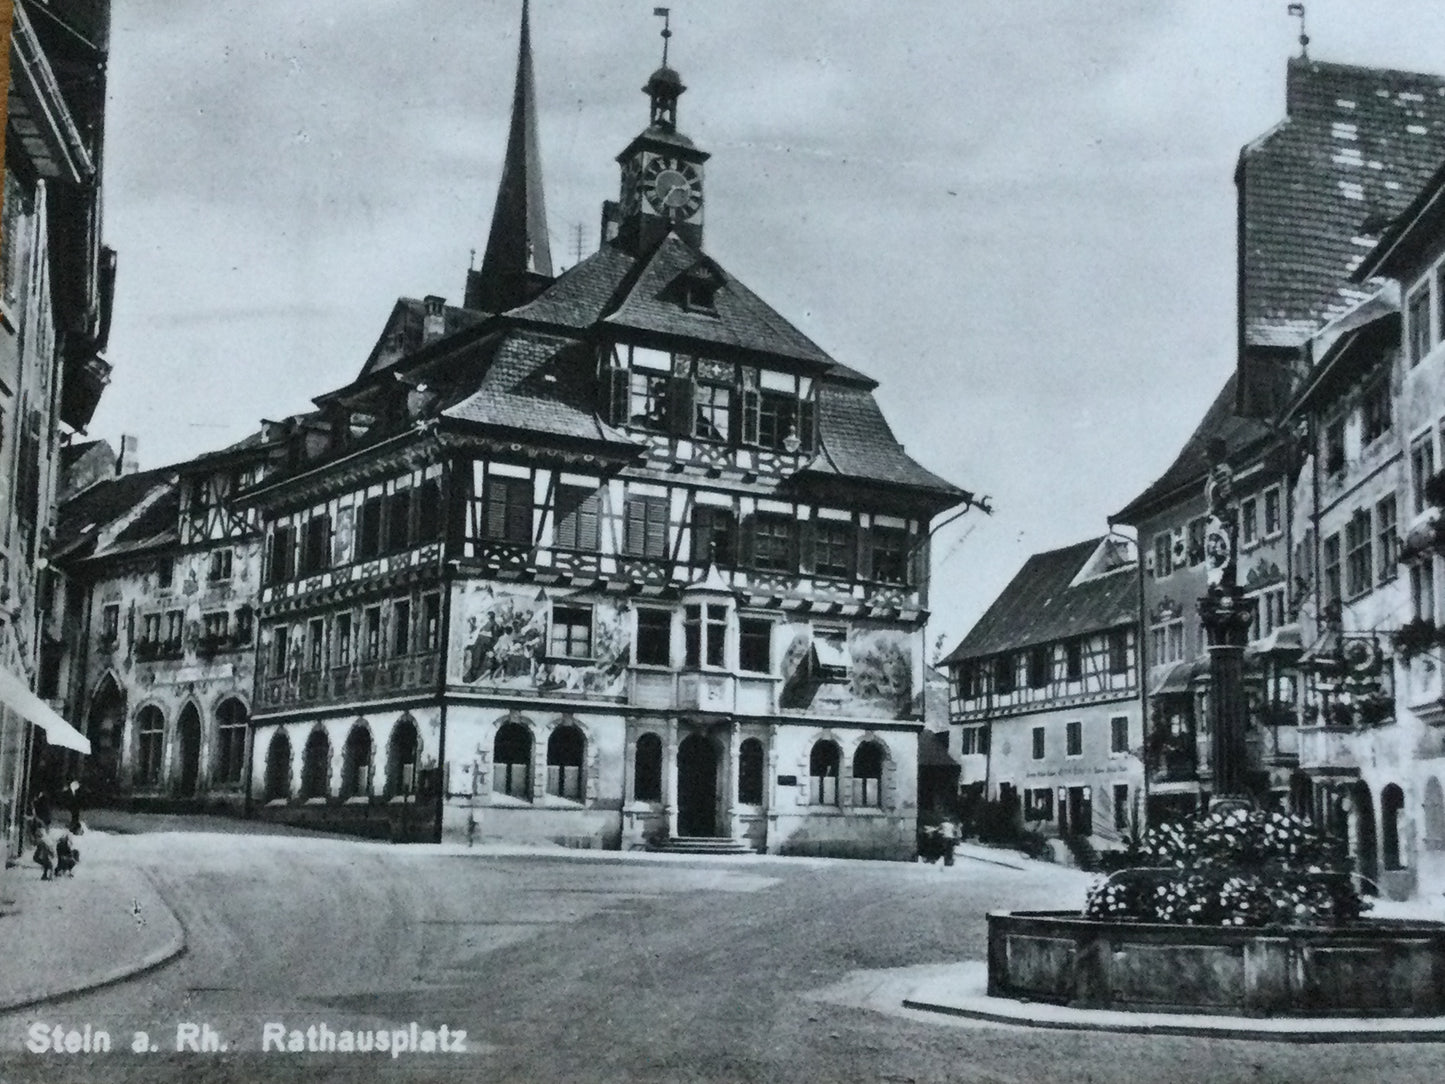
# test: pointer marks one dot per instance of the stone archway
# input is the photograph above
(698, 764)
(105, 727)
(1363, 839)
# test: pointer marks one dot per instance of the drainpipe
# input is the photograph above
(448, 477)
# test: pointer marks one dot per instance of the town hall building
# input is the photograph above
(608, 558)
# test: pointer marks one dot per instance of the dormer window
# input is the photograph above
(695, 290)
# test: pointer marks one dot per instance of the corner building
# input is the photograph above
(608, 559)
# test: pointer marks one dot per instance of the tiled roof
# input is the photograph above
(855, 441)
(1039, 605)
(404, 332)
(742, 318)
(1317, 190)
(81, 519)
(583, 294)
(541, 383)
(1191, 465)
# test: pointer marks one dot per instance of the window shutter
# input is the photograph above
(865, 555)
(806, 534)
(748, 538)
(751, 406)
(496, 509)
(808, 424)
(656, 544)
(680, 412)
(519, 510)
(615, 389)
(587, 523)
(636, 529)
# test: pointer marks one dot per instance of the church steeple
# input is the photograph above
(518, 260)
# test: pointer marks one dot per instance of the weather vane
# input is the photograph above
(666, 14)
(1298, 11)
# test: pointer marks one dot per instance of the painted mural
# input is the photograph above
(865, 672)
(500, 641)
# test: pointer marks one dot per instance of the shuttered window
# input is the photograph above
(577, 516)
(316, 545)
(508, 511)
(647, 527)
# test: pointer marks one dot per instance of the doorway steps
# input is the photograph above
(704, 845)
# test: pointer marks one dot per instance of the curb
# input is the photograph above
(1027, 1014)
(156, 958)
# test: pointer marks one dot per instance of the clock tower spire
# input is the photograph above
(662, 171)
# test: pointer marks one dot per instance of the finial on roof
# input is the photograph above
(666, 14)
(1298, 11)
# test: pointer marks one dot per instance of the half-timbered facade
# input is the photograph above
(1045, 693)
(623, 559)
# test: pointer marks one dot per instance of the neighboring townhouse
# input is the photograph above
(1045, 689)
(56, 286)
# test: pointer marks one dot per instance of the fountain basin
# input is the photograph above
(1366, 968)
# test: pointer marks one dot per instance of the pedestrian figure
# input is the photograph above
(72, 799)
(45, 857)
(66, 856)
(40, 806)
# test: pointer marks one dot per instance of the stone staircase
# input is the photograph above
(703, 845)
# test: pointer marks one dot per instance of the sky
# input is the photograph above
(1018, 216)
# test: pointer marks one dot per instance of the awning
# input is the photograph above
(15, 696)
(1179, 677)
(1283, 642)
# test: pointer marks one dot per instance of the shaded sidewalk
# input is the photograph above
(106, 923)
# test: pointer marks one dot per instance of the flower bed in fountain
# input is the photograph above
(1237, 912)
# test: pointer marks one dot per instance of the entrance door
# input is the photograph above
(697, 764)
(189, 732)
(1081, 811)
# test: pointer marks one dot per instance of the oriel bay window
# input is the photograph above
(571, 634)
(704, 634)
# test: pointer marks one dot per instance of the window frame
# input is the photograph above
(1118, 736)
(660, 635)
(1038, 749)
(567, 618)
(1074, 739)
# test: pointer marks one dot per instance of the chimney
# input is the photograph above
(126, 462)
(434, 322)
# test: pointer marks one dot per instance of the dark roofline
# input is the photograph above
(1380, 259)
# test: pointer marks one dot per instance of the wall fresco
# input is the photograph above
(873, 677)
(500, 641)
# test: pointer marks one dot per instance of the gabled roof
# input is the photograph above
(742, 319)
(1039, 605)
(405, 332)
(1191, 465)
(1317, 190)
(584, 294)
(84, 518)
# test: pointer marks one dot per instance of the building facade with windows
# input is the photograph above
(606, 558)
(1045, 693)
(56, 283)
(1314, 193)
(161, 575)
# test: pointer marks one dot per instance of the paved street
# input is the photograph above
(596, 968)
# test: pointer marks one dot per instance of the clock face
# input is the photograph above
(673, 187)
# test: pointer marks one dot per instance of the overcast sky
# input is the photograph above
(1018, 216)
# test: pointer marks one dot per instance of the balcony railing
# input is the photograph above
(350, 684)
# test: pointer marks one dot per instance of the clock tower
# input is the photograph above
(661, 174)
